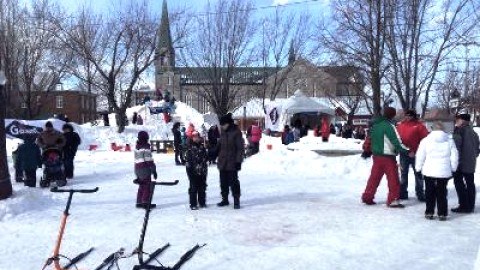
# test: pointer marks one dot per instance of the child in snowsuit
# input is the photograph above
(144, 169)
(29, 159)
(197, 169)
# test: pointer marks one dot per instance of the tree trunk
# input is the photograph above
(5, 184)
(121, 120)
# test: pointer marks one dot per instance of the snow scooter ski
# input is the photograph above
(144, 264)
(55, 259)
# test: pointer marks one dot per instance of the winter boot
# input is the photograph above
(193, 207)
(223, 203)
(368, 202)
(236, 203)
(442, 218)
(429, 216)
(202, 199)
(459, 209)
(396, 204)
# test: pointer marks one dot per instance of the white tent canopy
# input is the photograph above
(280, 113)
(299, 103)
(252, 109)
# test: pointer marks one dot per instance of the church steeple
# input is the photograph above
(165, 52)
(291, 54)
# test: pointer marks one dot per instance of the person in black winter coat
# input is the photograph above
(29, 159)
(177, 144)
(70, 149)
(213, 135)
(197, 169)
(230, 156)
(467, 142)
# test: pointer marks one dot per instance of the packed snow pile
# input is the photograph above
(334, 144)
(154, 124)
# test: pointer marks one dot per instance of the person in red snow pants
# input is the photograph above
(383, 165)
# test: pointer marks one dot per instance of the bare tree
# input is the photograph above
(221, 42)
(5, 182)
(351, 95)
(33, 60)
(284, 37)
(419, 40)
(42, 62)
(359, 38)
(119, 48)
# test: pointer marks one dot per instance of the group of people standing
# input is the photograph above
(435, 157)
(229, 147)
(28, 156)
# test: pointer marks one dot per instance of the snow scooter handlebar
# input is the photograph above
(165, 183)
(56, 251)
(55, 189)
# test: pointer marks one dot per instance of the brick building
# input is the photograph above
(79, 106)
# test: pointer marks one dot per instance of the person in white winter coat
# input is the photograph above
(437, 159)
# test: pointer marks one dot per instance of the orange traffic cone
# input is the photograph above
(127, 148)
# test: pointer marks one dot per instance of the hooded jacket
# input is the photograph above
(437, 155)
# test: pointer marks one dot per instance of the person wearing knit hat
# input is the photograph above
(226, 119)
(144, 169)
(467, 142)
(389, 113)
(412, 131)
(230, 157)
(197, 169)
(385, 145)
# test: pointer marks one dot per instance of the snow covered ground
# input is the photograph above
(299, 210)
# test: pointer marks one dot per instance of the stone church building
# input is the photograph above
(186, 83)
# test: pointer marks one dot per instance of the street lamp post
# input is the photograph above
(455, 101)
(5, 183)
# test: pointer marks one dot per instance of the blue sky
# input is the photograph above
(315, 6)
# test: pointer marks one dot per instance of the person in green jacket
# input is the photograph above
(385, 146)
(29, 159)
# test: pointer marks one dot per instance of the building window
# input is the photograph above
(169, 80)
(59, 102)
(83, 102)
(38, 99)
(24, 105)
(83, 118)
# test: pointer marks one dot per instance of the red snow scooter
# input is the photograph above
(55, 259)
(144, 264)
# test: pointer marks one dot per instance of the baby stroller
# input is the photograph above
(53, 170)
